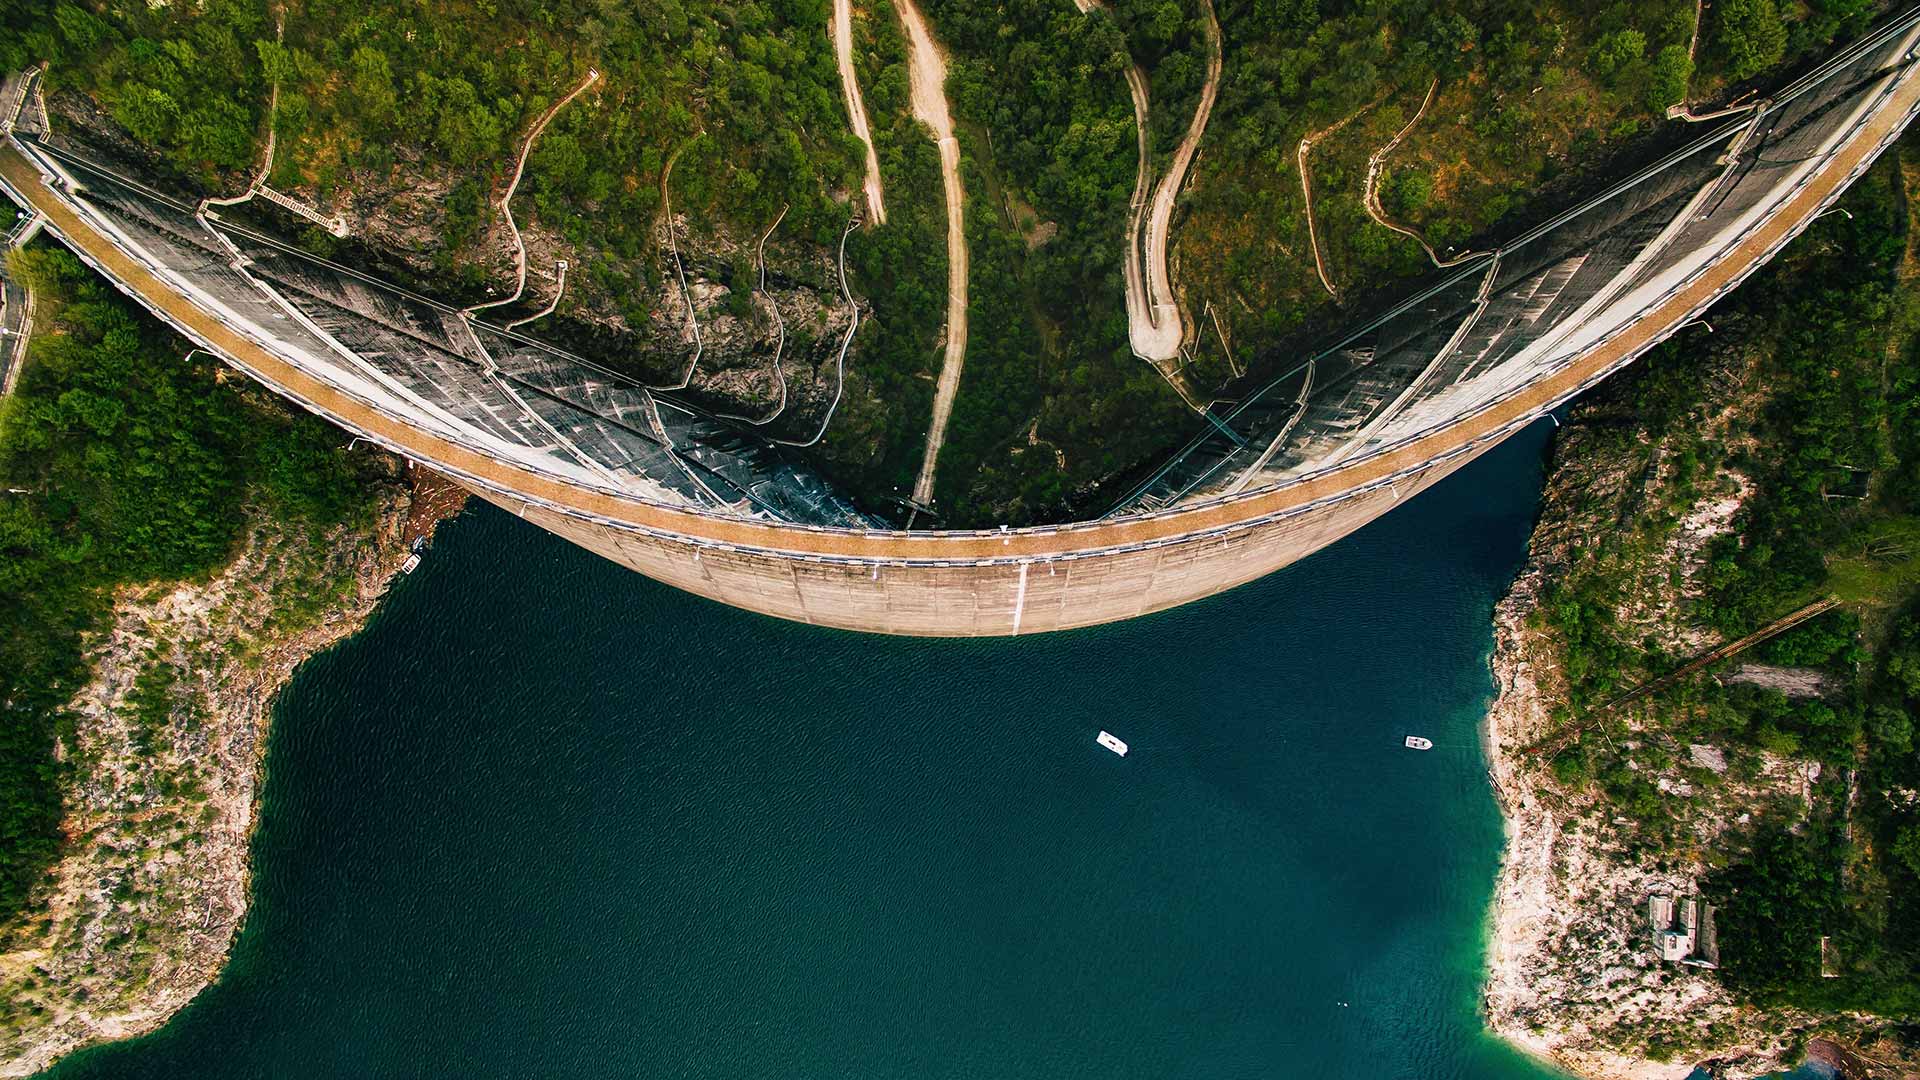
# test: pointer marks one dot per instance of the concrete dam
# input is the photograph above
(1328, 444)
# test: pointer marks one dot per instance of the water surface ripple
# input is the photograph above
(548, 818)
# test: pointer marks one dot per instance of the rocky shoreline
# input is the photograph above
(1572, 975)
(164, 766)
(1569, 966)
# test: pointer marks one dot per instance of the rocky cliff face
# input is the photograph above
(632, 313)
(1573, 975)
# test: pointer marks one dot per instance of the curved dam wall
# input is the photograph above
(1318, 452)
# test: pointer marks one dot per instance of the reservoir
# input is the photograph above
(545, 817)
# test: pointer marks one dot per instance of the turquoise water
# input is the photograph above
(547, 818)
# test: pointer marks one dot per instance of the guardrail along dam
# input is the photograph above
(1326, 446)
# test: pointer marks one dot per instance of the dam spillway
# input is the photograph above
(1327, 445)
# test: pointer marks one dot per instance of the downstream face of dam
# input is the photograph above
(1323, 446)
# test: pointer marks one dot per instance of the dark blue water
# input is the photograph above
(547, 818)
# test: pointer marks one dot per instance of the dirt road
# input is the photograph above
(842, 25)
(1149, 336)
(1154, 323)
(928, 72)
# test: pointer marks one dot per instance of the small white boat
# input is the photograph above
(413, 561)
(1415, 742)
(1112, 743)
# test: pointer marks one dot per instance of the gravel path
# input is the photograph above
(928, 72)
(506, 201)
(1154, 322)
(842, 26)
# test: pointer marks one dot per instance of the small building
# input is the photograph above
(1683, 931)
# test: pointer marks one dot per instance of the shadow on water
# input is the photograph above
(545, 817)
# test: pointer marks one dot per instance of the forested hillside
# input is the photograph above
(407, 121)
(135, 462)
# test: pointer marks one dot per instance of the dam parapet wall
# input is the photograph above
(1319, 451)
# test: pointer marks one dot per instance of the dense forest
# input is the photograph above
(135, 462)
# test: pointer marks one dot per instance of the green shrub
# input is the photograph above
(1751, 36)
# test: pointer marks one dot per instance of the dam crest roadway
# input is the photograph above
(1323, 447)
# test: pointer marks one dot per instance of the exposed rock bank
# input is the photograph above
(163, 776)
(1573, 973)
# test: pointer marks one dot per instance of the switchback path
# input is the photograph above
(559, 290)
(1163, 332)
(1372, 197)
(336, 225)
(506, 201)
(779, 324)
(1306, 188)
(679, 268)
(840, 362)
(1147, 333)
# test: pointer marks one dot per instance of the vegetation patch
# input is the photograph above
(136, 462)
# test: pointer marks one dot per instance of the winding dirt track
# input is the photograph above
(337, 225)
(266, 159)
(928, 72)
(1306, 188)
(1371, 198)
(519, 170)
(842, 27)
(1155, 326)
(680, 268)
(1141, 321)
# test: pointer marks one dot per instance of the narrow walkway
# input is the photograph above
(14, 94)
(928, 72)
(840, 363)
(16, 298)
(779, 323)
(1306, 188)
(679, 267)
(16, 327)
(1684, 110)
(1372, 197)
(559, 290)
(335, 225)
(1552, 743)
(841, 25)
(1145, 333)
(506, 201)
